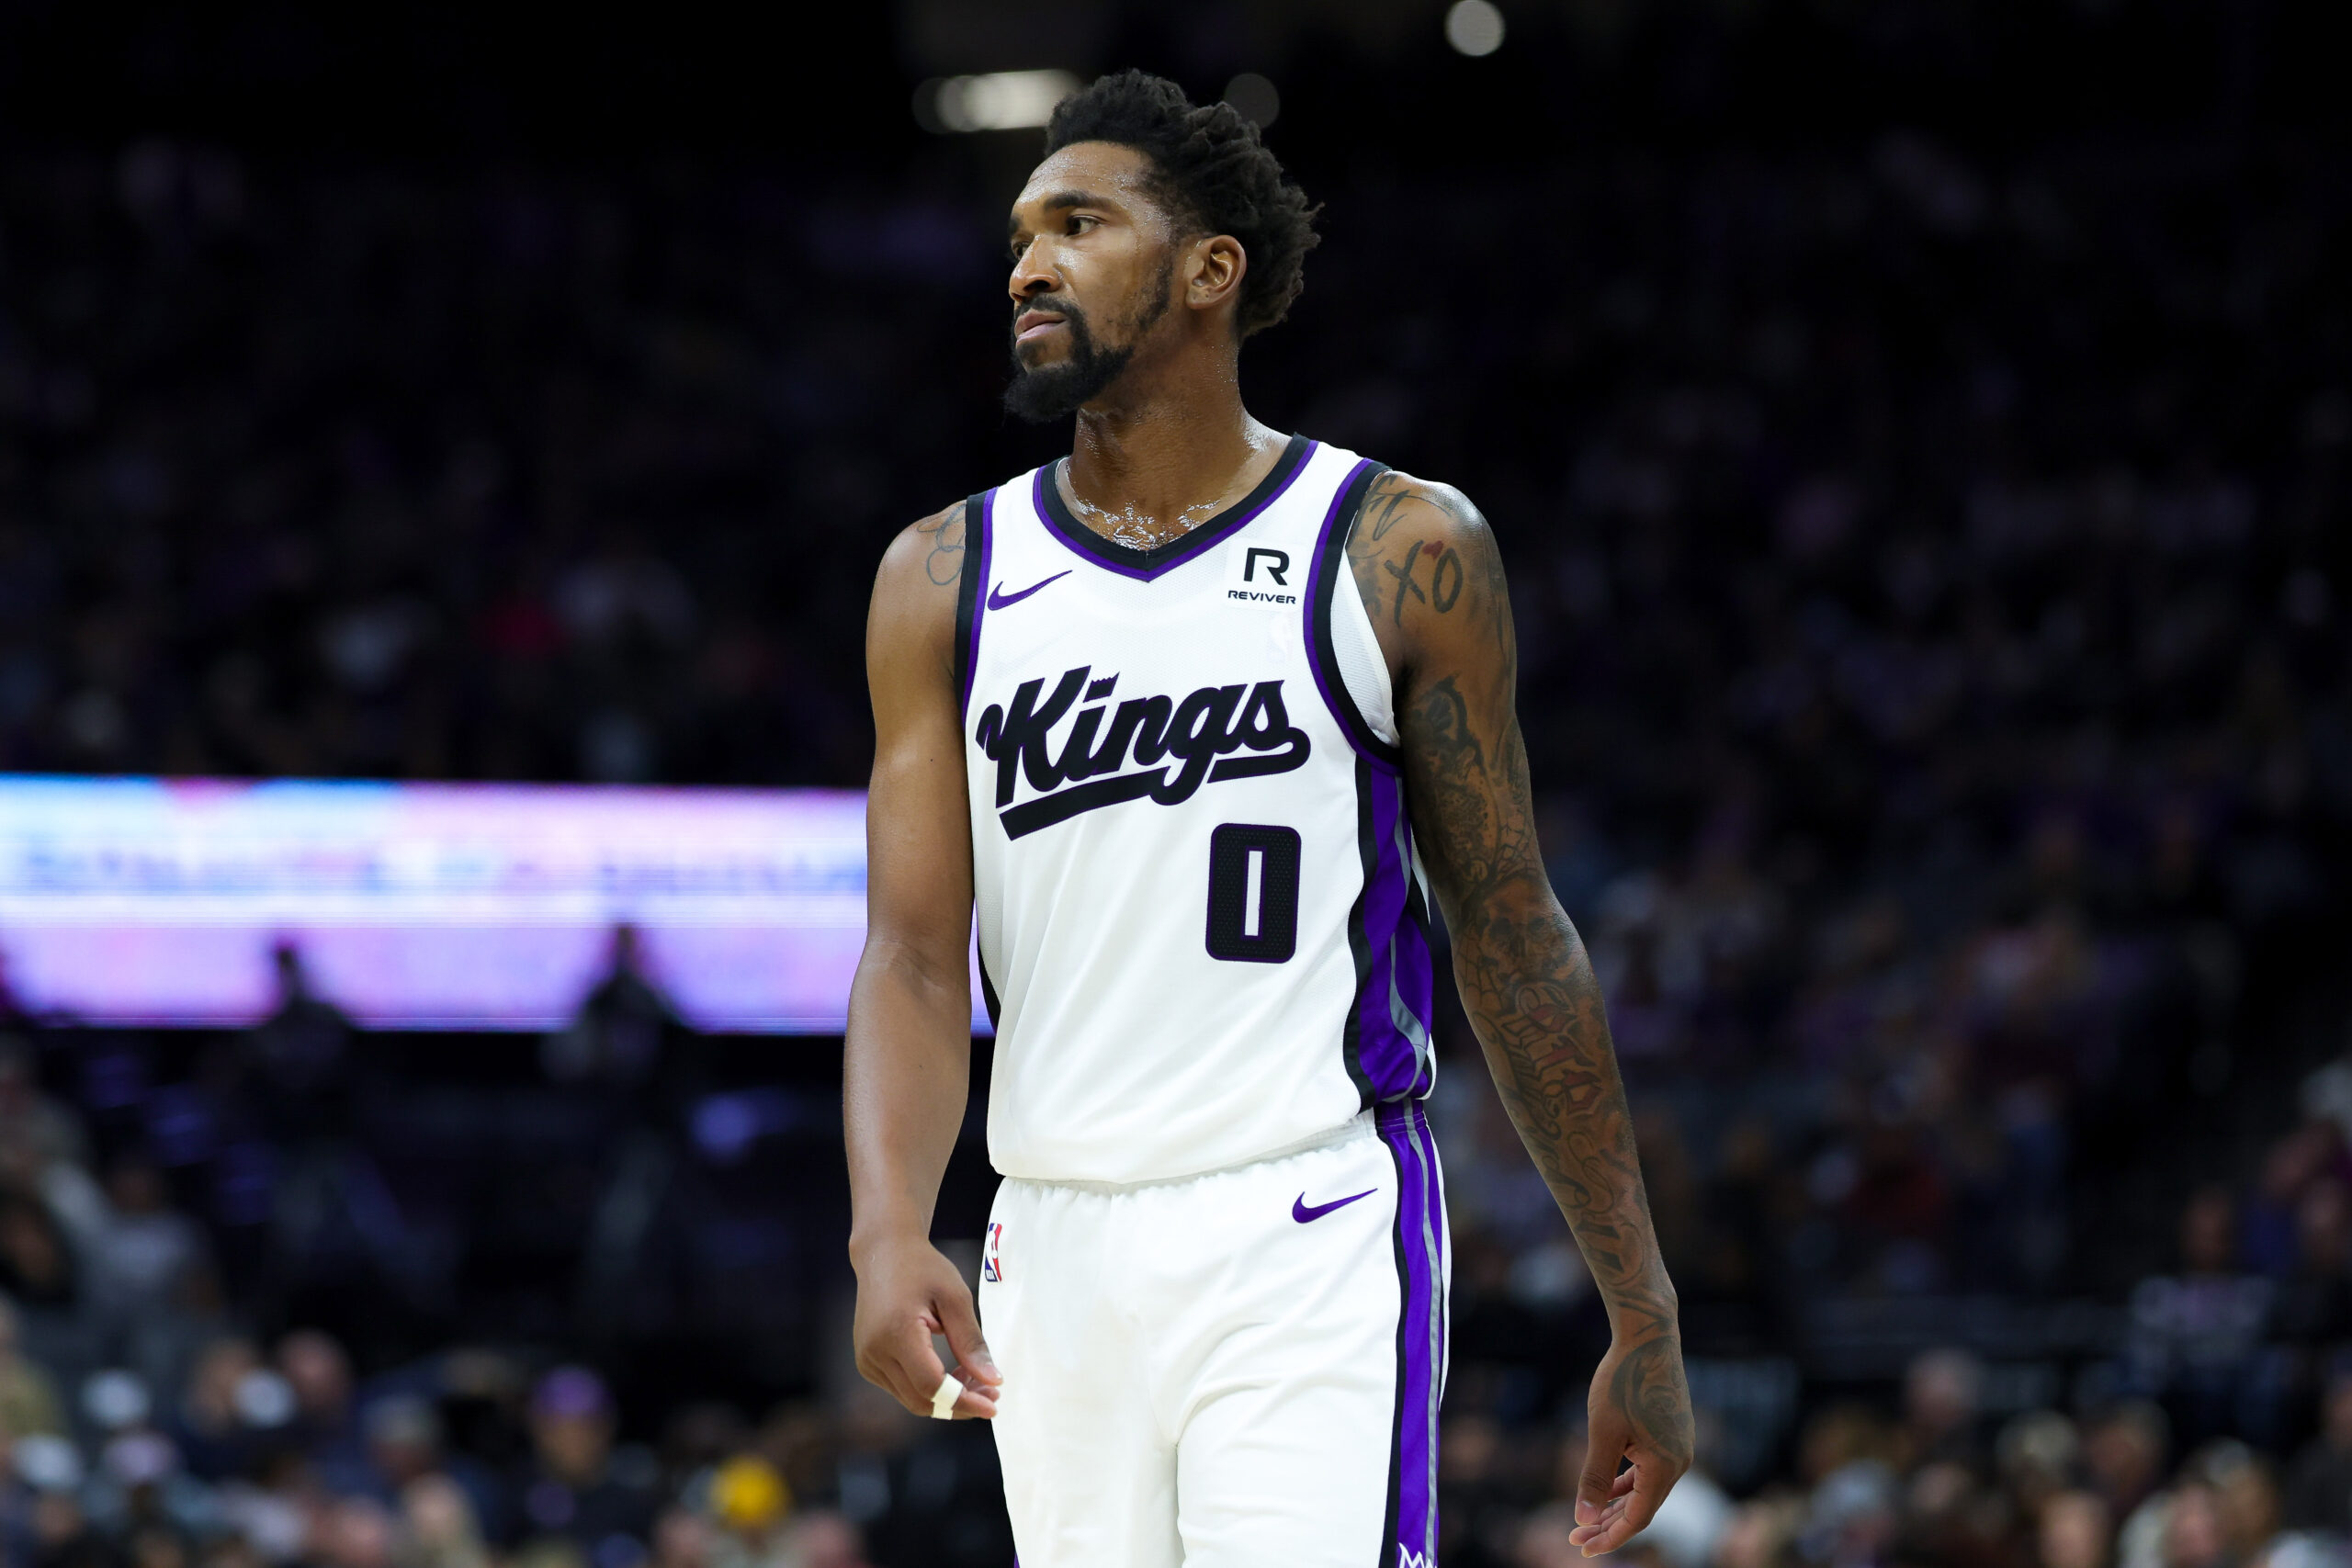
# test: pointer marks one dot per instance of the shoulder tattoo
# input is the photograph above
(945, 563)
(1405, 549)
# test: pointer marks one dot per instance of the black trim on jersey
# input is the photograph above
(1360, 945)
(987, 993)
(1332, 562)
(1388, 1541)
(1184, 546)
(969, 585)
(1416, 909)
(969, 588)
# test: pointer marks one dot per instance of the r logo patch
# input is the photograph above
(1260, 574)
(1275, 564)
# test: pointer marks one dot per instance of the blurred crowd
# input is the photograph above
(275, 1454)
(1929, 568)
(150, 1417)
(2209, 1424)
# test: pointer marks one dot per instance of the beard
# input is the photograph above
(1047, 392)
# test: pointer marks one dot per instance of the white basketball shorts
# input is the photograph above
(1239, 1369)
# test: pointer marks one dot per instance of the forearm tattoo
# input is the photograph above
(1525, 980)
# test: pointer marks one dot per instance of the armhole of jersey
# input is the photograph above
(1330, 661)
(971, 584)
(988, 992)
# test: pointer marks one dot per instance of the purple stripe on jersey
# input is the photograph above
(1413, 977)
(1388, 1059)
(1399, 971)
(1314, 596)
(979, 599)
(1192, 544)
(1398, 967)
(1420, 1329)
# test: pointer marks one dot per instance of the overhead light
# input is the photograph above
(1254, 99)
(1000, 100)
(1475, 27)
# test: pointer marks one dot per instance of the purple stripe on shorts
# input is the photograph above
(1420, 1342)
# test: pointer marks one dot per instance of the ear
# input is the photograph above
(1213, 273)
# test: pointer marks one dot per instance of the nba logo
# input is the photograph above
(993, 1258)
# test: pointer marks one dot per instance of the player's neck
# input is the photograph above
(1168, 456)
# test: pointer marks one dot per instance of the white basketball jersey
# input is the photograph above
(1203, 925)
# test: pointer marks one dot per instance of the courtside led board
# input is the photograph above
(140, 901)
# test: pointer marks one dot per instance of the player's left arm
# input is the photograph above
(1433, 580)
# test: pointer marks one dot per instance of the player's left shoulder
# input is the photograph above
(1424, 561)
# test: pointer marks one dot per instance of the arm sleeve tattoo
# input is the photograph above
(1428, 567)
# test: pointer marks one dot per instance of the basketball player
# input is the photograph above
(1199, 717)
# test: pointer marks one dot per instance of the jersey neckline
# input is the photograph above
(1146, 565)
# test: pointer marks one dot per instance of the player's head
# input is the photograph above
(1152, 223)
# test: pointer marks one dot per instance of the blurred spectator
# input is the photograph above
(228, 1406)
(2195, 1335)
(573, 1490)
(353, 1532)
(2273, 1212)
(823, 1538)
(156, 1546)
(919, 1491)
(616, 1036)
(438, 1526)
(2126, 1454)
(1939, 1404)
(2247, 1493)
(1854, 1512)
(2073, 1529)
(2314, 1308)
(57, 1533)
(324, 1429)
(405, 1447)
(148, 1258)
(1691, 1524)
(300, 1049)
(28, 1402)
(33, 1126)
(681, 1539)
(698, 1439)
(320, 1374)
(1760, 1534)
(2038, 1456)
(37, 1265)
(2319, 1487)
(1544, 1539)
(749, 1504)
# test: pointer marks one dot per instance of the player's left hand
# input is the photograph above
(1639, 1413)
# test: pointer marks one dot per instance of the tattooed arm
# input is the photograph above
(907, 1059)
(1431, 578)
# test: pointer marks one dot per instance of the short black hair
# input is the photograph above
(1213, 173)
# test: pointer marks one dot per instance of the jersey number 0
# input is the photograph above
(1253, 893)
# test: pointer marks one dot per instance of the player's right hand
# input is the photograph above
(907, 1292)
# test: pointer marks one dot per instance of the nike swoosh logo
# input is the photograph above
(1302, 1214)
(998, 598)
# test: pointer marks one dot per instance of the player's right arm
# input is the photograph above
(907, 1061)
